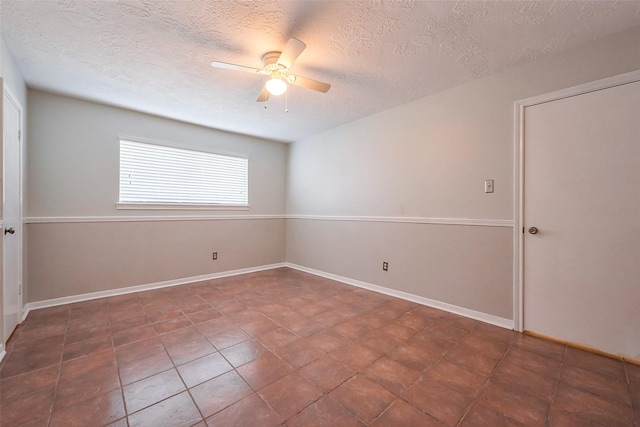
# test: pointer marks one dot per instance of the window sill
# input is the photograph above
(182, 206)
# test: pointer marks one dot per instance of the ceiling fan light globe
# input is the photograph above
(276, 86)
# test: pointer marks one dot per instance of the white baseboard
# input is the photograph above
(131, 289)
(3, 353)
(466, 312)
(477, 315)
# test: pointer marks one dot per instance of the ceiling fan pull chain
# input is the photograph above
(286, 102)
(266, 105)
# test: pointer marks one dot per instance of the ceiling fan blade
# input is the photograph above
(311, 84)
(291, 52)
(234, 67)
(264, 95)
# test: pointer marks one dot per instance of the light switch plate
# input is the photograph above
(488, 186)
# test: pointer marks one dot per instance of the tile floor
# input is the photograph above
(282, 347)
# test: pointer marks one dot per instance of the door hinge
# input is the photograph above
(20, 289)
(19, 134)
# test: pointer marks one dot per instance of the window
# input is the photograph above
(155, 175)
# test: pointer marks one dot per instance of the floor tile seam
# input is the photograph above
(555, 387)
(475, 398)
(175, 368)
(634, 409)
(115, 356)
(57, 383)
(598, 395)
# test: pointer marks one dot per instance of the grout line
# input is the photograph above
(555, 387)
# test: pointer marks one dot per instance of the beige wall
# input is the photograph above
(73, 165)
(429, 159)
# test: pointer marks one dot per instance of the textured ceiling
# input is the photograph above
(154, 55)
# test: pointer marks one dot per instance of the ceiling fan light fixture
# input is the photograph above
(276, 86)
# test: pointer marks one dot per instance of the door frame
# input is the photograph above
(518, 175)
(6, 91)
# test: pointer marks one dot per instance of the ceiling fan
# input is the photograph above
(276, 67)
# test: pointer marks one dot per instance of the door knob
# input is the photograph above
(533, 230)
(9, 230)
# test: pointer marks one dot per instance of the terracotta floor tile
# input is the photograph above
(87, 347)
(414, 356)
(223, 391)
(27, 408)
(329, 318)
(98, 410)
(375, 321)
(379, 342)
(249, 411)
(470, 358)
(244, 352)
(152, 390)
(305, 328)
(88, 364)
(21, 385)
(402, 413)
(32, 355)
(264, 370)
(215, 326)
(594, 362)
(480, 416)
(414, 321)
(456, 377)
(399, 331)
(400, 363)
(356, 356)
(186, 344)
(290, 395)
(157, 315)
(521, 407)
(203, 369)
(327, 341)
(444, 404)
(73, 389)
(391, 375)
(582, 404)
(495, 349)
(607, 387)
(546, 348)
(363, 398)
(325, 412)
(327, 373)
(204, 316)
(533, 362)
(277, 338)
(298, 353)
(172, 325)
(178, 410)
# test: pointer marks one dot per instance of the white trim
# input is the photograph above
(3, 352)
(131, 289)
(410, 220)
(483, 317)
(466, 312)
(21, 170)
(398, 220)
(518, 175)
(81, 219)
(181, 207)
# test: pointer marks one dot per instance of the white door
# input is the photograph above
(12, 213)
(581, 271)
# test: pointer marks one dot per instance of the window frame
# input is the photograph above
(180, 205)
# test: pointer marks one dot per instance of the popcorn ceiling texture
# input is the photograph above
(154, 55)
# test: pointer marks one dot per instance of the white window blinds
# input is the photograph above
(156, 174)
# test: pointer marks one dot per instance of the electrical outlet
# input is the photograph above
(214, 256)
(385, 266)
